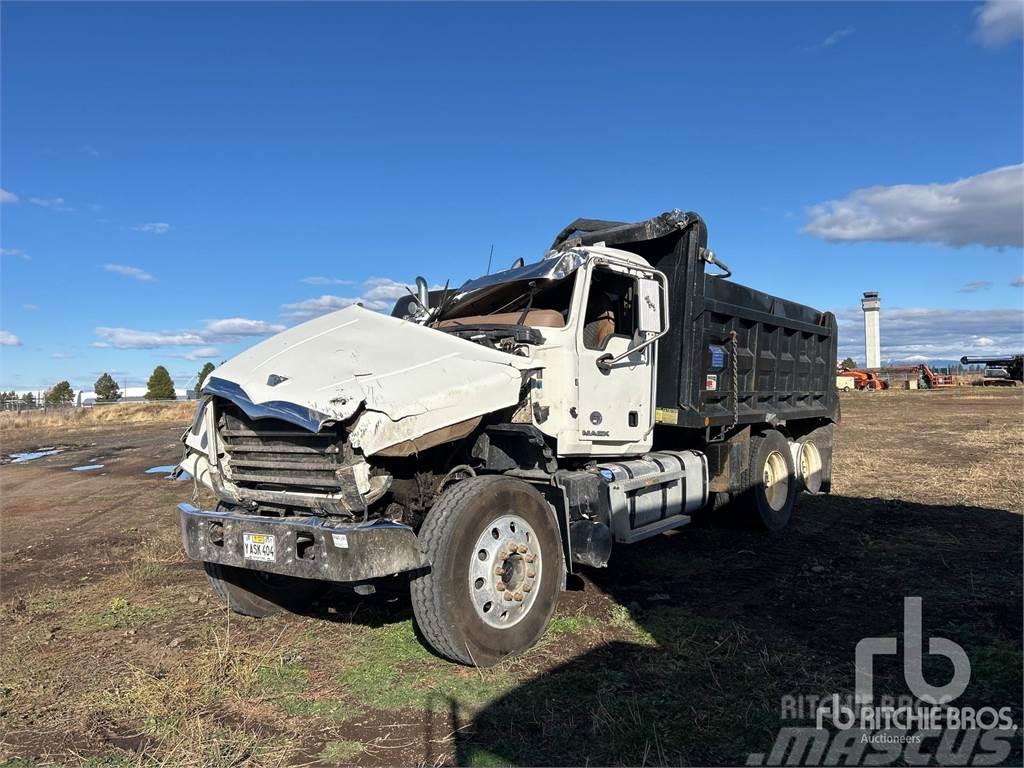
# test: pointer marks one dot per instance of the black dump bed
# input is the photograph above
(732, 354)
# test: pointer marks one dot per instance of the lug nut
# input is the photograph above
(527, 587)
(508, 595)
(500, 586)
(518, 596)
(531, 573)
(530, 558)
(498, 570)
(522, 549)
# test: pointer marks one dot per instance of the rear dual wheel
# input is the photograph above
(770, 483)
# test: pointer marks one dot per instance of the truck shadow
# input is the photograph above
(722, 623)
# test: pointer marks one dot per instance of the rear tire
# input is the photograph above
(496, 570)
(816, 459)
(770, 483)
(259, 594)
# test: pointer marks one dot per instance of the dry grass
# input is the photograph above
(31, 423)
(941, 447)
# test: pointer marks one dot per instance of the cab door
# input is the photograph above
(616, 370)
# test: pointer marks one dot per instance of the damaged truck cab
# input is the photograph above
(486, 441)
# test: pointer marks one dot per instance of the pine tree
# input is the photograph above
(60, 394)
(29, 399)
(206, 371)
(106, 389)
(849, 364)
(160, 386)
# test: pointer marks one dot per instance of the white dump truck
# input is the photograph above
(487, 441)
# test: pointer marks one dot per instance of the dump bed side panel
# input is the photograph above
(784, 353)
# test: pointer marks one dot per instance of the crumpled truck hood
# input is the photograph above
(410, 379)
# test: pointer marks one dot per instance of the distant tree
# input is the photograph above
(160, 386)
(29, 399)
(60, 393)
(849, 364)
(106, 389)
(206, 371)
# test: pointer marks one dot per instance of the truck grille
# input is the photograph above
(269, 454)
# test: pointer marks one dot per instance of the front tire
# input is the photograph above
(496, 569)
(259, 594)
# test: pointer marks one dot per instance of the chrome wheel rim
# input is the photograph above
(505, 571)
(776, 481)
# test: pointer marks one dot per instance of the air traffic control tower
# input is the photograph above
(872, 306)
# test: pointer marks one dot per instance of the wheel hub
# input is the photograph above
(505, 571)
(776, 481)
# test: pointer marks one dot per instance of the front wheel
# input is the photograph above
(496, 569)
(259, 594)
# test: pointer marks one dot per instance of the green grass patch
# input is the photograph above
(392, 670)
(47, 601)
(119, 614)
(340, 751)
(571, 625)
(620, 617)
(281, 678)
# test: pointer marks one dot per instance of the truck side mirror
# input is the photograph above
(649, 318)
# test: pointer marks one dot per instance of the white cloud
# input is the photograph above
(834, 38)
(61, 355)
(1018, 281)
(239, 326)
(998, 22)
(935, 334)
(8, 339)
(324, 281)
(378, 293)
(979, 210)
(202, 353)
(974, 286)
(54, 203)
(228, 330)
(310, 308)
(30, 307)
(133, 272)
(15, 252)
(385, 288)
(126, 338)
(154, 228)
(7, 197)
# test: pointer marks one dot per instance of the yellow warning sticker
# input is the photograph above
(666, 416)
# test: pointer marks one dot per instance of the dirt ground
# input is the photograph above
(115, 652)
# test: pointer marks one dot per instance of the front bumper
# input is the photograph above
(307, 547)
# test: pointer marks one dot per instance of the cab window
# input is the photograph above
(611, 308)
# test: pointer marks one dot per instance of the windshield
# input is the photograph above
(516, 296)
(489, 294)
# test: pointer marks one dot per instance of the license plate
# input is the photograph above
(259, 546)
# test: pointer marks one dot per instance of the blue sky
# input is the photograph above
(174, 172)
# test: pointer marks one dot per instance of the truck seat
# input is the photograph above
(535, 318)
(600, 321)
